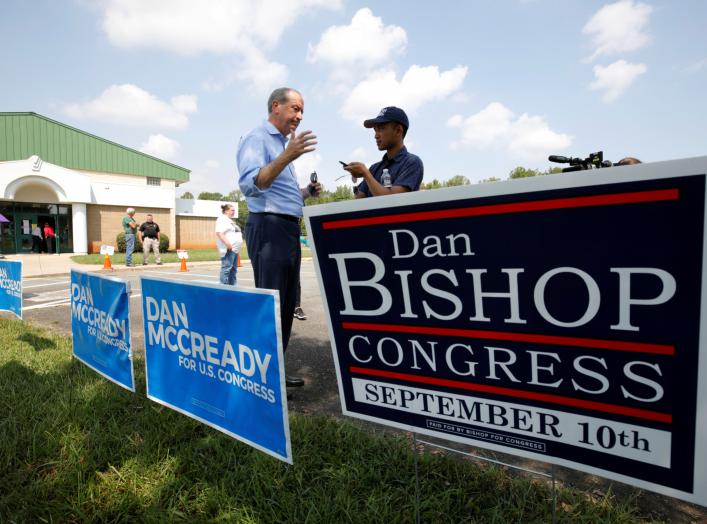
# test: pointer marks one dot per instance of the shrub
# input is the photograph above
(120, 240)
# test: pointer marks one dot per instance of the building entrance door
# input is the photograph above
(24, 223)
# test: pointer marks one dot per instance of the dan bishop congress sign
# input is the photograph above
(557, 318)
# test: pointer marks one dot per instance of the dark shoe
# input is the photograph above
(144, 263)
(294, 382)
(159, 263)
(299, 314)
(129, 265)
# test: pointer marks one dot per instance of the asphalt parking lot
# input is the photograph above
(46, 303)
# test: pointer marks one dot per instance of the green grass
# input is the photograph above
(77, 448)
(195, 255)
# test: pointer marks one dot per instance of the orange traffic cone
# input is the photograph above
(239, 260)
(183, 267)
(106, 262)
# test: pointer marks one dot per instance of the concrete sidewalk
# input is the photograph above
(44, 265)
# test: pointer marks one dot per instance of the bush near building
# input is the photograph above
(120, 240)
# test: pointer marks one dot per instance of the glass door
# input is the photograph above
(24, 224)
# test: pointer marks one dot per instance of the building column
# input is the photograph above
(80, 228)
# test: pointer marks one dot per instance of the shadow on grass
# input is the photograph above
(38, 342)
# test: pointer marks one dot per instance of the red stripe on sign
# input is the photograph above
(517, 393)
(615, 345)
(637, 197)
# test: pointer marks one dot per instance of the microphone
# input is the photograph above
(558, 159)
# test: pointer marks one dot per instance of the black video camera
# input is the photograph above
(593, 161)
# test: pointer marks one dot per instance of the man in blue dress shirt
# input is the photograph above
(275, 200)
(405, 169)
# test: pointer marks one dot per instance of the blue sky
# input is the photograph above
(488, 86)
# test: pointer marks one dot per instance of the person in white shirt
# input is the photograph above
(229, 240)
(37, 239)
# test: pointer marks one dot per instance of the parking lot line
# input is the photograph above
(63, 302)
(45, 285)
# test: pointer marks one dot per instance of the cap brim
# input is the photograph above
(373, 121)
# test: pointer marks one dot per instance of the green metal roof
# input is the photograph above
(25, 134)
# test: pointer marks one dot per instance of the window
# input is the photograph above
(153, 181)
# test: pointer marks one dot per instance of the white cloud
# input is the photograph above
(359, 154)
(528, 137)
(245, 28)
(616, 78)
(419, 85)
(217, 26)
(618, 28)
(366, 42)
(129, 105)
(212, 164)
(304, 166)
(485, 127)
(262, 75)
(695, 67)
(160, 146)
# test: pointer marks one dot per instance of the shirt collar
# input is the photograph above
(396, 158)
(271, 128)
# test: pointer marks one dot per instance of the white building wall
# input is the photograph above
(201, 208)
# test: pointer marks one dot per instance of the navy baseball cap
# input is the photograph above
(389, 114)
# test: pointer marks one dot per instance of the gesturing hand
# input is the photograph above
(300, 144)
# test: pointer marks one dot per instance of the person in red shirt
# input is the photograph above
(50, 237)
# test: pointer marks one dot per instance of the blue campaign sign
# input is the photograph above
(214, 353)
(11, 286)
(100, 326)
(559, 318)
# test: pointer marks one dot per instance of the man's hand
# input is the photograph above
(312, 190)
(357, 169)
(296, 147)
(300, 144)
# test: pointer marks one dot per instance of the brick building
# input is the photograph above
(81, 184)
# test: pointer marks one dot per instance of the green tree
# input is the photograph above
(207, 195)
(489, 179)
(187, 195)
(435, 184)
(242, 214)
(234, 196)
(522, 172)
(457, 180)
(342, 193)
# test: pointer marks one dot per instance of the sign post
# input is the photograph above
(557, 318)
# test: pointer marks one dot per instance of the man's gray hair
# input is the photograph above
(130, 210)
(280, 95)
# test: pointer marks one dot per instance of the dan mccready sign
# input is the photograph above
(556, 318)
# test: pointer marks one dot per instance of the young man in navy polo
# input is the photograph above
(398, 171)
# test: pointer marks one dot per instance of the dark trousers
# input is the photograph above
(274, 250)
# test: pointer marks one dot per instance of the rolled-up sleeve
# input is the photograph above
(250, 158)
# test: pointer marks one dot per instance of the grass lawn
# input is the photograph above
(78, 448)
(195, 255)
